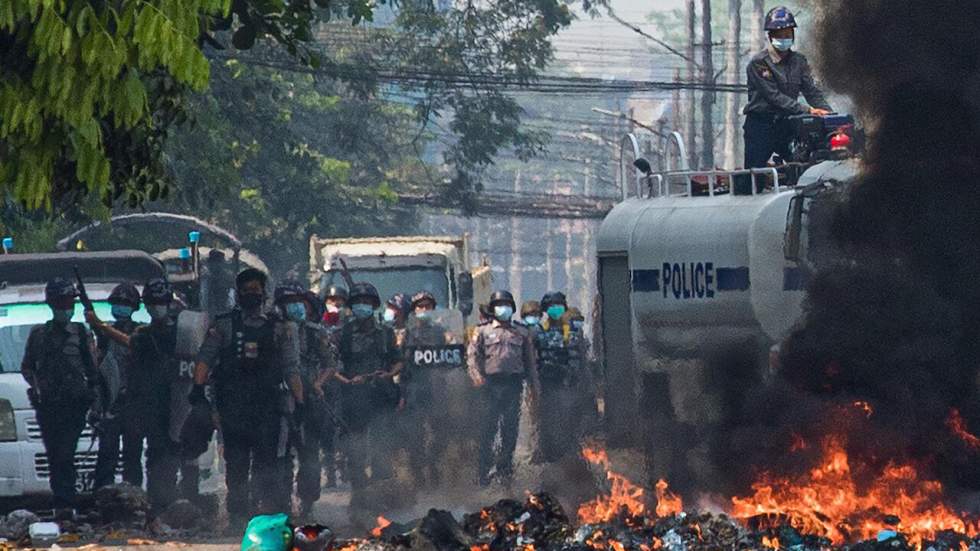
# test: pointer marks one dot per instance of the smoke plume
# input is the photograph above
(893, 320)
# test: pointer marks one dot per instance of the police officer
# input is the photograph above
(151, 385)
(428, 422)
(776, 77)
(335, 306)
(561, 366)
(395, 315)
(370, 360)
(59, 366)
(317, 365)
(251, 353)
(531, 314)
(115, 419)
(500, 356)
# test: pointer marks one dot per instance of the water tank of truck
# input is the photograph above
(705, 270)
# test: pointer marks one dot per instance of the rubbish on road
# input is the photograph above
(268, 533)
(44, 534)
(14, 526)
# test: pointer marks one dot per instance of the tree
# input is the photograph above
(691, 119)
(276, 155)
(707, 95)
(733, 70)
(79, 84)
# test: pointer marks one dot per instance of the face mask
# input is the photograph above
(250, 301)
(62, 316)
(503, 313)
(556, 312)
(362, 311)
(333, 309)
(532, 320)
(577, 325)
(423, 314)
(296, 311)
(782, 44)
(389, 315)
(158, 311)
(122, 312)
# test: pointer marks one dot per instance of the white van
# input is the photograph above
(23, 463)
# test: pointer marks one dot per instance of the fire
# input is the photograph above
(668, 503)
(957, 425)
(623, 495)
(382, 524)
(771, 543)
(828, 501)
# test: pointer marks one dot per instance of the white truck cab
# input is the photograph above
(23, 462)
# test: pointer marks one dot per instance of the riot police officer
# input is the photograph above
(428, 422)
(59, 366)
(317, 365)
(370, 360)
(560, 364)
(500, 356)
(115, 419)
(776, 77)
(151, 385)
(531, 314)
(247, 354)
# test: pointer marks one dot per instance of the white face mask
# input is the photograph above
(333, 308)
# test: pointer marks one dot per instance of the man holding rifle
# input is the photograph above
(58, 364)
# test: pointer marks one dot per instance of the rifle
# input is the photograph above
(346, 273)
(82, 294)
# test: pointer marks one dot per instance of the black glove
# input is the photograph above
(197, 397)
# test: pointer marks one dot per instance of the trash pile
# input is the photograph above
(539, 523)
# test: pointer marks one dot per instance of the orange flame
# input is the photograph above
(771, 543)
(382, 524)
(828, 501)
(957, 425)
(864, 407)
(623, 495)
(668, 503)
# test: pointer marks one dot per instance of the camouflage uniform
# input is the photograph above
(365, 347)
(317, 355)
(561, 360)
(58, 364)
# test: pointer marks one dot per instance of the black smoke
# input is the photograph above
(893, 319)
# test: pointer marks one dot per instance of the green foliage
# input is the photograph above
(75, 73)
(507, 39)
(333, 167)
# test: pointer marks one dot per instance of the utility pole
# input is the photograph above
(707, 95)
(691, 124)
(734, 70)
(757, 29)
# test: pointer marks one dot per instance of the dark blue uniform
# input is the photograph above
(776, 80)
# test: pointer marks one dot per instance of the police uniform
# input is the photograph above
(776, 80)
(152, 386)
(428, 421)
(561, 364)
(317, 355)
(58, 364)
(252, 355)
(117, 421)
(503, 355)
(366, 346)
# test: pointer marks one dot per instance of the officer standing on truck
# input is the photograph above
(776, 77)
(370, 360)
(560, 365)
(500, 356)
(115, 416)
(59, 366)
(251, 354)
(317, 365)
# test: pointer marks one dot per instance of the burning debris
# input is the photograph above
(822, 510)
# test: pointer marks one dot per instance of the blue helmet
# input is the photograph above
(780, 18)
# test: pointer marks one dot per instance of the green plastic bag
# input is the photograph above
(268, 533)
